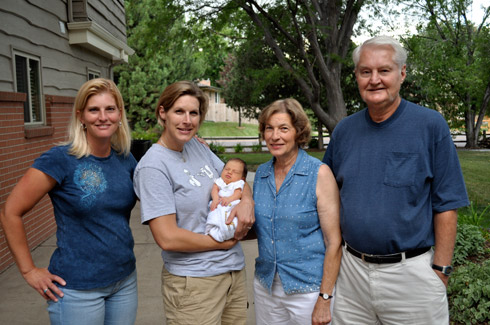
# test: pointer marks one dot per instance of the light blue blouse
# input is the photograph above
(288, 229)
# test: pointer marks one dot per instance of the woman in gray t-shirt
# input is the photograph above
(203, 281)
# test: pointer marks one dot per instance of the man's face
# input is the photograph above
(379, 78)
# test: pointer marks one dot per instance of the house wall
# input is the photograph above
(33, 28)
(220, 112)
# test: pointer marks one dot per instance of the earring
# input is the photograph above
(83, 126)
(120, 123)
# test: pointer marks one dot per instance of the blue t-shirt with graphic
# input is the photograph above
(92, 201)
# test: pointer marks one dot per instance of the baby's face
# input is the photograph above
(232, 172)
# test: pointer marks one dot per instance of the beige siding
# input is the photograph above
(33, 27)
(109, 14)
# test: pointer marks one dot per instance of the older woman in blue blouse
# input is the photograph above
(297, 224)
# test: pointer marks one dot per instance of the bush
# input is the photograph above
(238, 148)
(469, 243)
(257, 147)
(217, 148)
(313, 144)
(469, 294)
(145, 135)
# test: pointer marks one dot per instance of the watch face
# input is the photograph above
(447, 270)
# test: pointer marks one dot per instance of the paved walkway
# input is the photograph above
(21, 305)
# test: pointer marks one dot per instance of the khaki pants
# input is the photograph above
(408, 292)
(214, 300)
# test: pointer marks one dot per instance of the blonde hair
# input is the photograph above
(178, 89)
(77, 138)
(299, 119)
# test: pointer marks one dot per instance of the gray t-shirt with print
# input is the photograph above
(169, 182)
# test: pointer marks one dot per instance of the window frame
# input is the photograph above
(93, 72)
(41, 120)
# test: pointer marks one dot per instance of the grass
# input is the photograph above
(476, 172)
(227, 129)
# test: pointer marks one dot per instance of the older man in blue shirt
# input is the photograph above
(400, 185)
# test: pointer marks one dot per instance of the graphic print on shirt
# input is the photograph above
(203, 172)
(91, 181)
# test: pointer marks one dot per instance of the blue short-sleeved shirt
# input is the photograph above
(393, 176)
(92, 204)
(290, 238)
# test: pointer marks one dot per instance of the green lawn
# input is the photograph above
(227, 129)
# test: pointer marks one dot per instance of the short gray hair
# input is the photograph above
(399, 56)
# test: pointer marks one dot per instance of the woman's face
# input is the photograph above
(280, 135)
(181, 121)
(101, 117)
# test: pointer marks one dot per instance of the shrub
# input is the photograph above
(145, 135)
(217, 148)
(313, 144)
(257, 147)
(469, 243)
(469, 294)
(238, 148)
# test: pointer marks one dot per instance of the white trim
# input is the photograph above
(91, 35)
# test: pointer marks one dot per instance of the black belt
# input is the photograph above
(384, 259)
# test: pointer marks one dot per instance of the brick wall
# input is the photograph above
(19, 146)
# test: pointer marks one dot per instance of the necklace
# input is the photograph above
(160, 142)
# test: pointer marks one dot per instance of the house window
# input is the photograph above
(216, 98)
(92, 74)
(28, 81)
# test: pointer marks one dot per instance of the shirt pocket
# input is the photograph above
(400, 169)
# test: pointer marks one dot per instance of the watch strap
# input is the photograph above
(446, 270)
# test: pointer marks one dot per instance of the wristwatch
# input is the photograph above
(325, 296)
(446, 270)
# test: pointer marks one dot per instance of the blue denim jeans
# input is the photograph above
(112, 305)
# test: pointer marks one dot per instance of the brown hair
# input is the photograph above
(178, 89)
(298, 118)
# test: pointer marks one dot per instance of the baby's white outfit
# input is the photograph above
(216, 223)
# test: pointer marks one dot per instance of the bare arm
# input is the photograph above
(328, 206)
(244, 211)
(215, 197)
(26, 194)
(237, 194)
(170, 237)
(445, 225)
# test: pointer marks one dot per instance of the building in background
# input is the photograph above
(48, 49)
(218, 110)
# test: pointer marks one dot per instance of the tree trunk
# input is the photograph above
(320, 134)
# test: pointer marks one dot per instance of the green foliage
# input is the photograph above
(238, 148)
(257, 147)
(169, 46)
(473, 216)
(469, 294)
(145, 135)
(469, 243)
(217, 148)
(448, 62)
(313, 143)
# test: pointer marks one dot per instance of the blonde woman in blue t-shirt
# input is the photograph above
(91, 278)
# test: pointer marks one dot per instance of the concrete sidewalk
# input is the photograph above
(21, 305)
